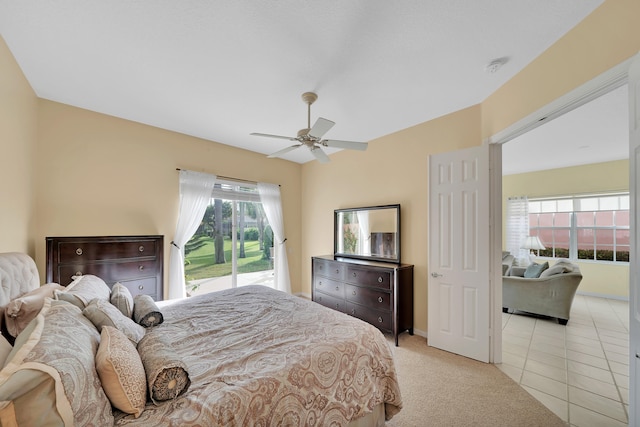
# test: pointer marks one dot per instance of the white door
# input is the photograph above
(634, 211)
(459, 245)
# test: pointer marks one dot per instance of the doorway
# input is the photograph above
(607, 93)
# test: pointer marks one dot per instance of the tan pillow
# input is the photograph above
(84, 289)
(121, 297)
(22, 310)
(103, 313)
(121, 372)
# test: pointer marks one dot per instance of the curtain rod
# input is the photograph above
(228, 178)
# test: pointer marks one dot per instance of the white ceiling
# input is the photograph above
(220, 70)
(595, 132)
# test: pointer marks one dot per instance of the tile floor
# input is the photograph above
(579, 371)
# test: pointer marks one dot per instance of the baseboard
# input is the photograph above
(303, 295)
(598, 295)
(419, 333)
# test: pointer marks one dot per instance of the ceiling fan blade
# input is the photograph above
(320, 127)
(319, 154)
(268, 135)
(349, 145)
(284, 151)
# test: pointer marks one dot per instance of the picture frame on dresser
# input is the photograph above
(134, 261)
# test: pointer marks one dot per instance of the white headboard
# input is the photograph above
(18, 275)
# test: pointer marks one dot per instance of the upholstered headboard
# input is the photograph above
(18, 275)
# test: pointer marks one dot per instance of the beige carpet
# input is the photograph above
(443, 389)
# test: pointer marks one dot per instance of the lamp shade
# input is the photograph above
(532, 242)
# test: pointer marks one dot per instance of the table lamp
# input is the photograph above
(531, 243)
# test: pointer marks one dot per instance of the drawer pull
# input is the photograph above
(354, 292)
(353, 311)
(141, 287)
(380, 299)
(337, 306)
(79, 251)
(337, 270)
(380, 279)
(141, 248)
(141, 267)
(354, 274)
(320, 283)
(379, 319)
(78, 273)
(337, 288)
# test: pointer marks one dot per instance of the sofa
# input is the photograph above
(542, 290)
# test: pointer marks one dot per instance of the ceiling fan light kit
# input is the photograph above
(311, 136)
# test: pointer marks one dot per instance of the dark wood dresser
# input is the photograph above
(134, 261)
(376, 292)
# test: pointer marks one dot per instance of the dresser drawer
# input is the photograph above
(330, 301)
(369, 297)
(147, 286)
(369, 277)
(379, 319)
(81, 251)
(328, 286)
(110, 273)
(330, 269)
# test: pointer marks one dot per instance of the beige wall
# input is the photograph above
(18, 126)
(598, 278)
(100, 175)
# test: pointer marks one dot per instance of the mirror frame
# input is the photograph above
(337, 225)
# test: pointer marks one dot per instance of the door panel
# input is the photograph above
(458, 289)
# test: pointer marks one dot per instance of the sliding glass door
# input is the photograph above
(234, 244)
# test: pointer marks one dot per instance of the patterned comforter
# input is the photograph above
(260, 357)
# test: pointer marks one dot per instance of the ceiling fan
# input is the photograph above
(311, 137)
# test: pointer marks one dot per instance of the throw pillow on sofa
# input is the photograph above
(534, 270)
(557, 269)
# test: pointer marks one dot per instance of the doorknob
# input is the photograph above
(436, 275)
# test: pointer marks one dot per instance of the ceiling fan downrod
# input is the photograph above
(309, 98)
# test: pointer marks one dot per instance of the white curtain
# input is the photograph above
(517, 228)
(270, 199)
(364, 233)
(195, 195)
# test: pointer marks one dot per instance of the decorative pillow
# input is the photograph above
(121, 297)
(54, 357)
(22, 310)
(534, 270)
(146, 312)
(167, 375)
(121, 372)
(84, 289)
(556, 269)
(103, 313)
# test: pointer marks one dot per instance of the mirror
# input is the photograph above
(371, 233)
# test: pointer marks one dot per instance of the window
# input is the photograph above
(587, 227)
(233, 245)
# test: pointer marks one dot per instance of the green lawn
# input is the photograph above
(199, 262)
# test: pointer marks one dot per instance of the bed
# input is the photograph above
(253, 356)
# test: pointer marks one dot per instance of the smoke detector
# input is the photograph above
(495, 65)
